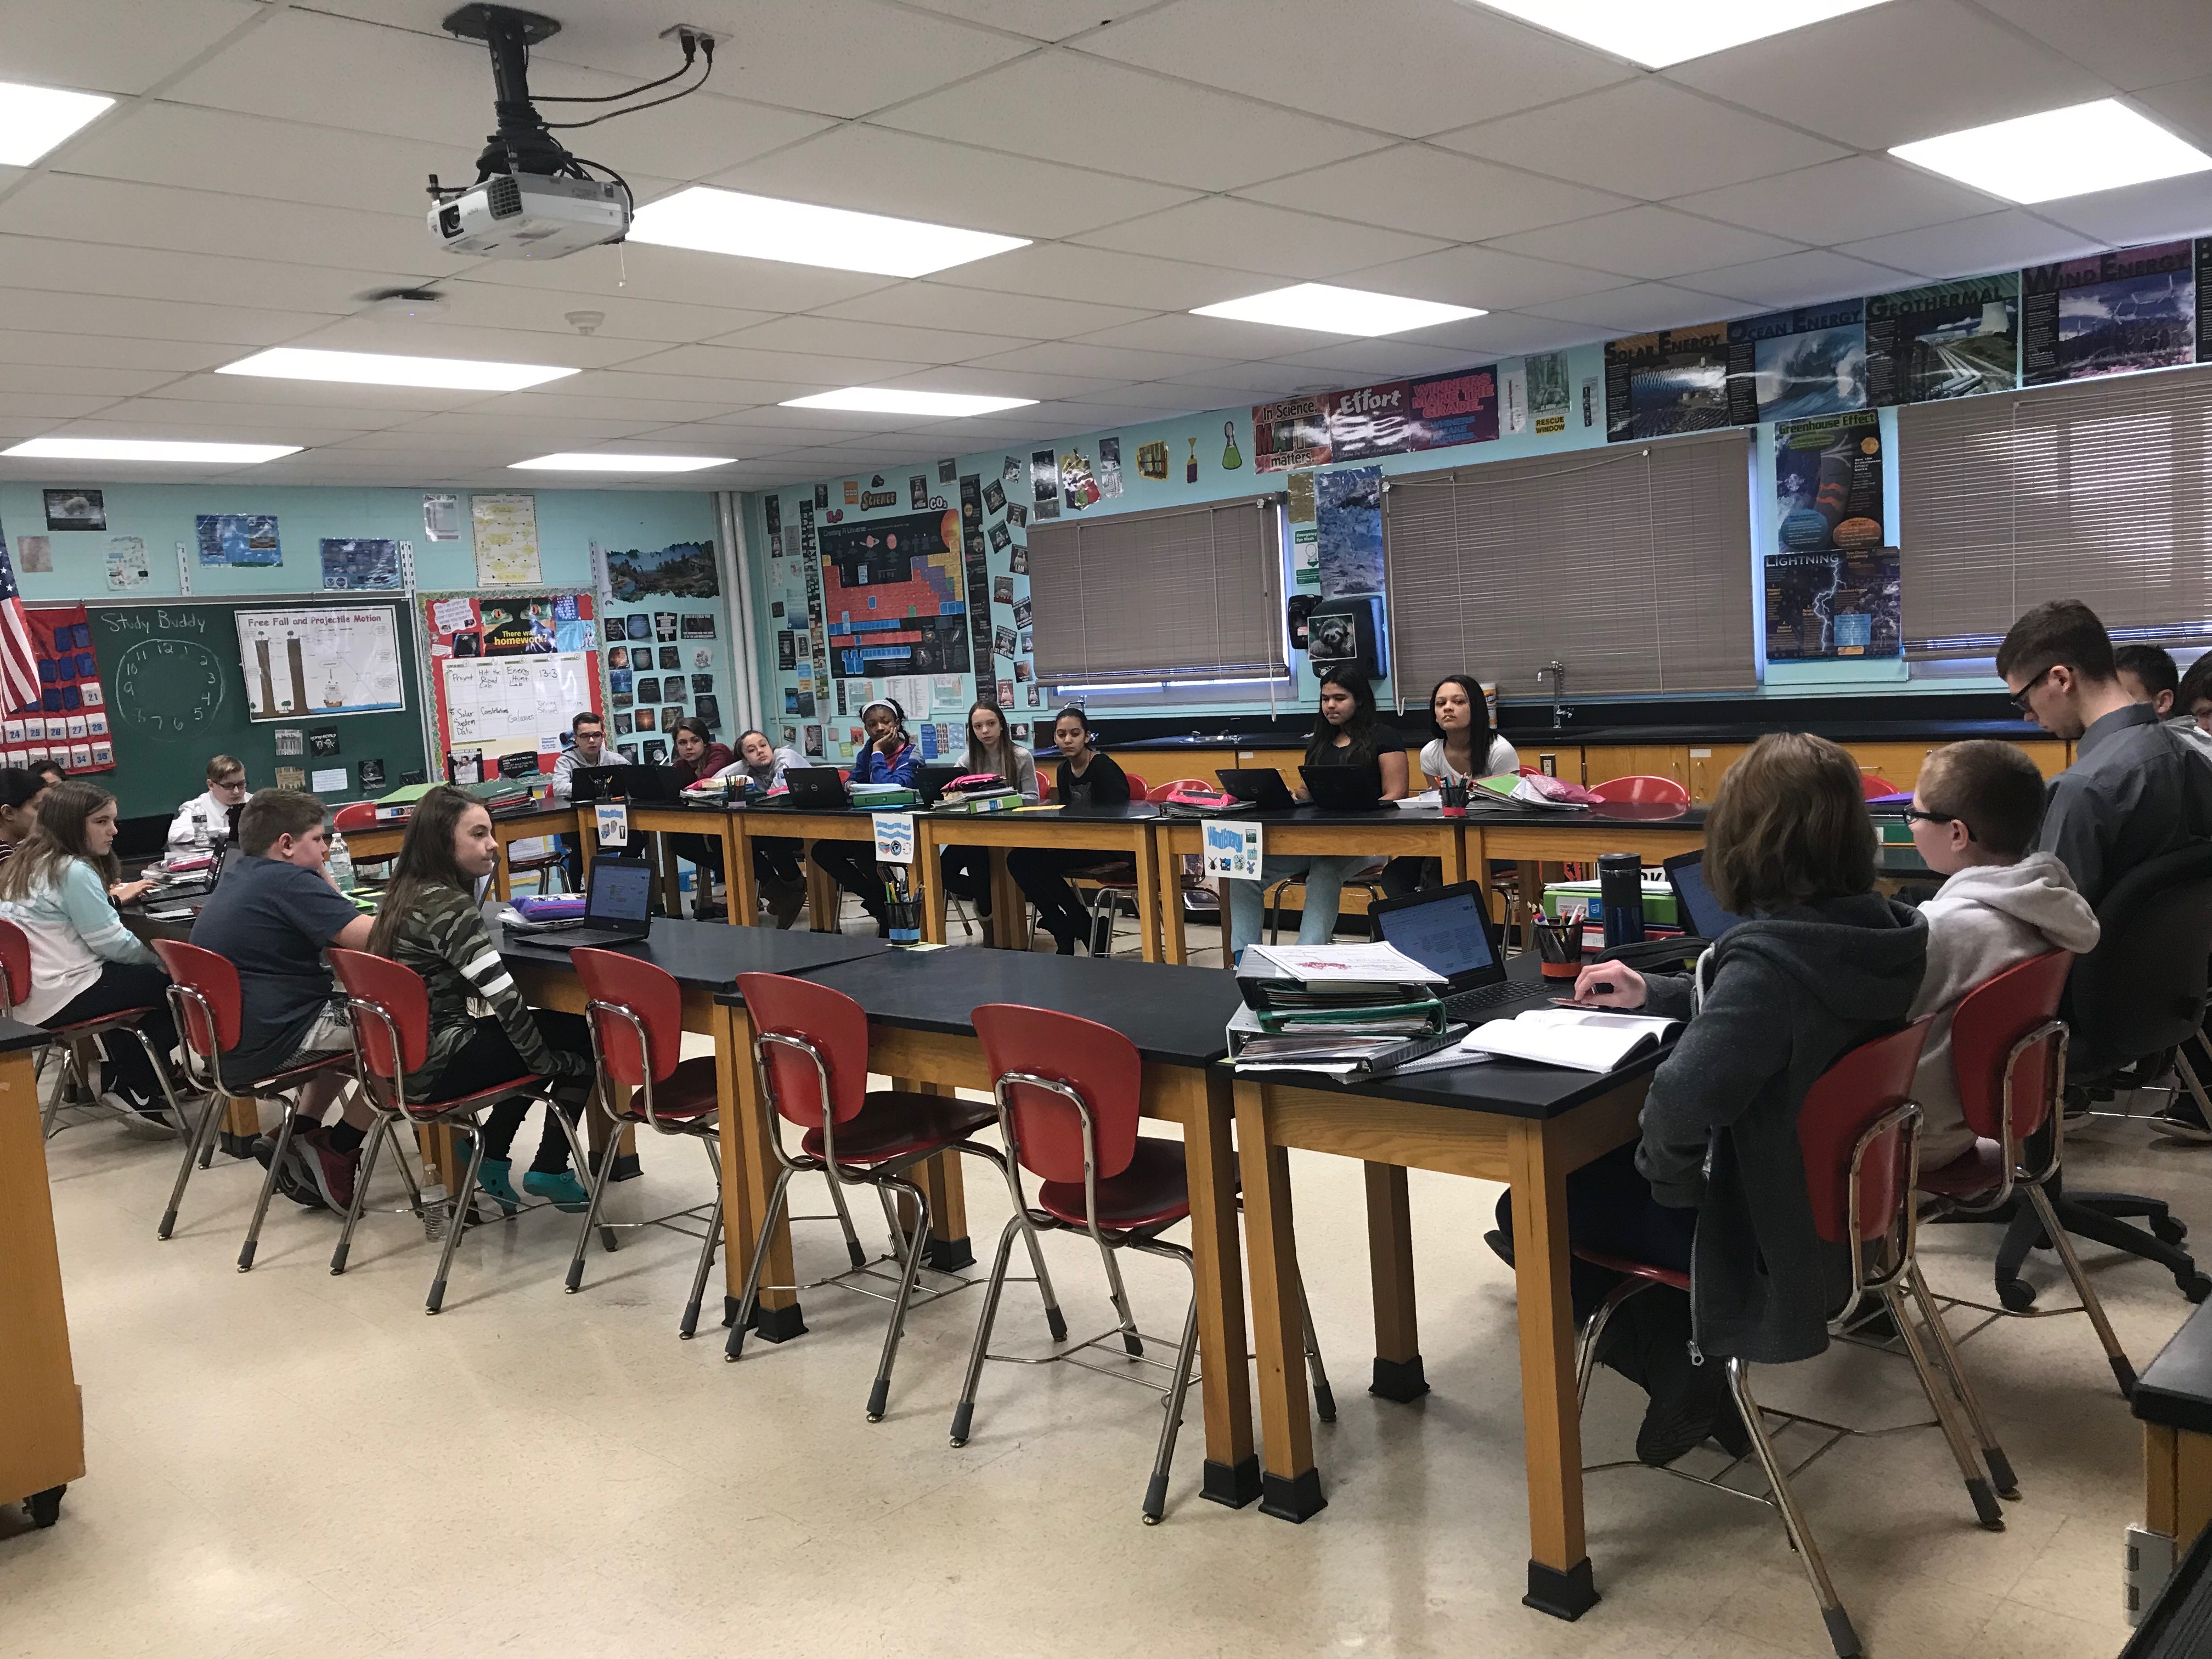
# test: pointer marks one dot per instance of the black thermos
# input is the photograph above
(1620, 896)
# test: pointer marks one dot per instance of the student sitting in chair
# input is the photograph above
(1085, 778)
(1974, 813)
(21, 792)
(775, 858)
(1465, 747)
(2147, 674)
(990, 749)
(698, 756)
(206, 817)
(1717, 1184)
(889, 758)
(272, 916)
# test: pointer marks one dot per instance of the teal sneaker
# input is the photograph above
(492, 1181)
(561, 1188)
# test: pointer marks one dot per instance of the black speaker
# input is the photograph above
(1348, 632)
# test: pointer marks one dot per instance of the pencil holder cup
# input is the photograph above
(902, 918)
(1451, 796)
(1560, 947)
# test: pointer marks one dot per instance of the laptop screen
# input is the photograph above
(1701, 911)
(1445, 933)
(622, 890)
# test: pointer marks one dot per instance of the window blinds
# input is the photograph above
(1631, 565)
(2094, 492)
(1139, 597)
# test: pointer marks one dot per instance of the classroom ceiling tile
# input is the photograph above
(116, 46)
(1381, 360)
(2138, 45)
(1040, 20)
(1969, 248)
(54, 406)
(1645, 137)
(1845, 201)
(908, 175)
(1105, 361)
(62, 313)
(2183, 107)
(171, 417)
(841, 335)
(110, 351)
(2141, 213)
(1067, 107)
(621, 317)
(371, 330)
(1405, 66)
(1209, 336)
(1002, 382)
(1166, 398)
(679, 389)
(1251, 383)
(1434, 192)
(384, 404)
(1223, 230)
(1505, 333)
(143, 273)
(683, 276)
(732, 362)
(1062, 270)
(1647, 241)
(501, 427)
(934, 305)
(1483, 277)
(1801, 279)
(1893, 73)
(1646, 304)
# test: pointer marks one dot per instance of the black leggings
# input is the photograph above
(777, 860)
(852, 865)
(128, 985)
(707, 854)
(1610, 1209)
(1040, 871)
(488, 1058)
(967, 875)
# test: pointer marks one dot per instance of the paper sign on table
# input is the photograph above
(894, 837)
(613, 824)
(1232, 849)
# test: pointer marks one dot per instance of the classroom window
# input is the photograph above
(1143, 597)
(2094, 492)
(1630, 565)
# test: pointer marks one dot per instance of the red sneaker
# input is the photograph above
(333, 1171)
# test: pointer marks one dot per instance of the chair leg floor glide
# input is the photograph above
(1841, 1634)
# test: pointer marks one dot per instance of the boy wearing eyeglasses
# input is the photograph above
(1975, 812)
(210, 812)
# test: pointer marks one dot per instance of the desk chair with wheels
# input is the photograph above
(16, 985)
(1068, 1092)
(2009, 1048)
(1859, 1130)
(205, 1000)
(2129, 1004)
(811, 1043)
(390, 1008)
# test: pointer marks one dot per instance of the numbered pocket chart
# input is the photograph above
(67, 722)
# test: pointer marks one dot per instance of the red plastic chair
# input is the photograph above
(390, 1008)
(16, 985)
(203, 996)
(2008, 1050)
(1859, 1130)
(1872, 784)
(358, 816)
(811, 1045)
(635, 1012)
(1642, 790)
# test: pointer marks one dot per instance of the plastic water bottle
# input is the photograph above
(341, 863)
(200, 831)
(433, 1208)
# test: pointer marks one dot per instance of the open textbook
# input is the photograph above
(1584, 1039)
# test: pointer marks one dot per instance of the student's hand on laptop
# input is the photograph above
(1609, 985)
(125, 891)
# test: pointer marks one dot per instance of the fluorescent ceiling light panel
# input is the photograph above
(34, 120)
(577, 461)
(800, 234)
(377, 368)
(904, 400)
(2061, 152)
(1654, 35)
(149, 449)
(1329, 310)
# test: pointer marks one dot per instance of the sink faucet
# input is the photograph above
(1557, 672)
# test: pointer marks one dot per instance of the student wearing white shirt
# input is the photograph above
(1459, 715)
(226, 791)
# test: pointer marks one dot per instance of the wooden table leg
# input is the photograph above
(1290, 1485)
(1529, 898)
(1010, 906)
(672, 879)
(1207, 1110)
(1398, 1372)
(749, 1171)
(1455, 862)
(1168, 872)
(824, 898)
(739, 895)
(42, 1436)
(502, 886)
(928, 878)
(1152, 886)
(241, 1126)
(1559, 1581)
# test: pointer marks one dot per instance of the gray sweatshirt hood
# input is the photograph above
(1860, 957)
(2037, 892)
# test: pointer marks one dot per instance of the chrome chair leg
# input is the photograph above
(879, 1394)
(1937, 1390)
(1947, 1351)
(890, 1222)
(462, 1197)
(735, 1347)
(268, 1184)
(963, 1414)
(853, 1253)
(600, 1174)
(1156, 1489)
(1324, 1397)
(1130, 1339)
(378, 1132)
(2115, 1355)
(204, 1136)
(1841, 1633)
(688, 1327)
(1594, 1333)
(1056, 1322)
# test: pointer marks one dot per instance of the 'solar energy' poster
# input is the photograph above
(1674, 380)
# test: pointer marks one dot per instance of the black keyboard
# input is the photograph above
(1461, 1003)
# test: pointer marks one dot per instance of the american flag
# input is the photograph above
(18, 657)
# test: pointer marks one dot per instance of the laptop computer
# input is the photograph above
(617, 909)
(591, 784)
(1345, 788)
(1449, 929)
(816, 789)
(1261, 786)
(930, 783)
(1695, 903)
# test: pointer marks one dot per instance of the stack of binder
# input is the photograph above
(978, 792)
(1336, 1012)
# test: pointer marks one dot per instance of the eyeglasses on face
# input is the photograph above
(2020, 698)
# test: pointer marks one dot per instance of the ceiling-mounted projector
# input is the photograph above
(533, 199)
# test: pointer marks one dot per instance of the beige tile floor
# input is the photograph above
(288, 1464)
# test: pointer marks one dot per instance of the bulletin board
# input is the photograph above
(509, 673)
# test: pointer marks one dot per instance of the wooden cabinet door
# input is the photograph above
(1709, 763)
(1601, 762)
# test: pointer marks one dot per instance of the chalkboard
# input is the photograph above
(176, 696)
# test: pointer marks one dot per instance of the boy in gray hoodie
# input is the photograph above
(1974, 814)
